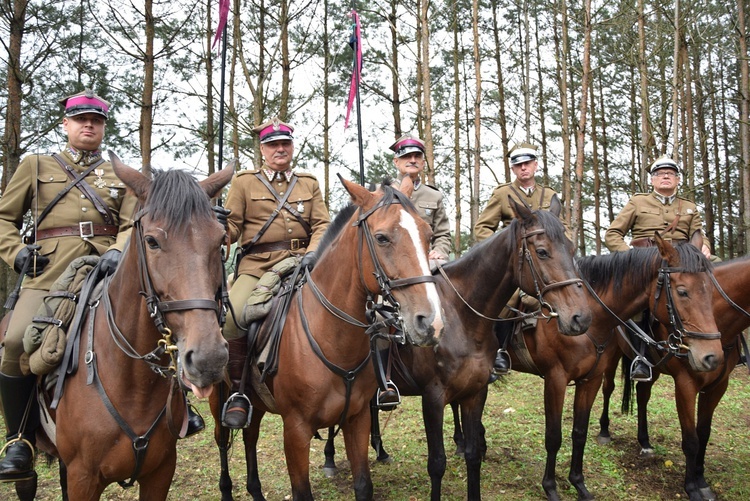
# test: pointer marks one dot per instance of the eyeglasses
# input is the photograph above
(664, 173)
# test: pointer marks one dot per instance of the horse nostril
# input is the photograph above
(711, 361)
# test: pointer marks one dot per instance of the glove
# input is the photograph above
(36, 263)
(308, 260)
(108, 263)
(221, 215)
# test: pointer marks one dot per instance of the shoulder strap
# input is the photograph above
(282, 201)
(84, 188)
(284, 204)
(520, 198)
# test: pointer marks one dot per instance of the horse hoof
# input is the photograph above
(329, 472)
(385, 459)
(602, 440)
(647, 453)
(26, 489)
(707, 494)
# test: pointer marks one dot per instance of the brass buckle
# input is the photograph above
(294, 244)
(86, 229)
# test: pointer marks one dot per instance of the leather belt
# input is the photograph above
(84, 229)
(292, 245)
(649, 241)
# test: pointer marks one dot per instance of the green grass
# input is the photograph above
(513, 468)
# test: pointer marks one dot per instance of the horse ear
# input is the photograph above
(520, 210)
(214, 183)
(407, 186)
(697, 239)
(667, 250)
(136, 181)
(555, 207)
(360, 195)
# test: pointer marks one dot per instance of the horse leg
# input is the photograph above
(26, 489)
(82, 485)
(376, 440)
(643, 395)
(584, 399)
(471, 415)
(432, 414)
(356, 437)
(297, 436)
(63, 479)
(685, 397)
(707, 403)
(155, 485)
(250, 438)
(608, 387)
(329, 452)
(554, 399)
(221, 437)
(458, 433)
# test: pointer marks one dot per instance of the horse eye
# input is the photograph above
(152, 242)
(682, 292)
(382, 239)
(542, 253)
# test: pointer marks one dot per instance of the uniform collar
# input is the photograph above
(82, 157)
(526, 191)
(272, 174)
(664, 199)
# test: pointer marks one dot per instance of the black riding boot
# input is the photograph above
(503, 331)
(640, 371)
(18, 395)
(195, 421)
(237, 411)
(389, 397)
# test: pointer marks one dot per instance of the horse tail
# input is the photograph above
(626, 407)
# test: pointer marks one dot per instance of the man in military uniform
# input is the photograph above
(408, 157)
(92, 218)
(662, 210)
(499, 213)
(275, 213)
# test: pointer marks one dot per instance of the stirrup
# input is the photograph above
(390, 389)
(232, 400)
(505, 356)
(640, 378)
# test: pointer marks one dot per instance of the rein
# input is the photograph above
(388, 308)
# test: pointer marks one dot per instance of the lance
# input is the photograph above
(223, 14)
(355, 43)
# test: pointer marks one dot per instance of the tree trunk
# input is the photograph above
(285, 62)
(477, 102)
(394, 72)
(210, 131)
(647, 138)
(577, 213)
(426, 92)
(743, 121)
(707, 186)
(457, 128)
(502, 122)
(147, 97)
(562, 68)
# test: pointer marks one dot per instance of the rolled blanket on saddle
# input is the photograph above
(258, 304)
(44, 340)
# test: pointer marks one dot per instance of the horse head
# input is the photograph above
(175, 251)
(393, 258)
(546, 269)
(683, 296)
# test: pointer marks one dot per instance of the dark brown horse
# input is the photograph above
(122, 411)
(706, 388)
(533, 254)
(324, 375)
(583, 359)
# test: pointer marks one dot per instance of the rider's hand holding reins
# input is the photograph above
(36, 262)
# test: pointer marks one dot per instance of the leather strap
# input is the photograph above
(96, 230)
(294, 244)
(87, 191)
(249, 246)
(284, 204)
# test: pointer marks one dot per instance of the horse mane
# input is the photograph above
(637, 265)
(338, 223)
(176, 198)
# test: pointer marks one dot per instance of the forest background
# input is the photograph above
(603, 87)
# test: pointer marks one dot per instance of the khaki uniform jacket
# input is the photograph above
(251, 204)
(429, 203)
(498, 212)
(645, 214)
(36, 182)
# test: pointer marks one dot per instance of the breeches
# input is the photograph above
(28, 303)
(241, 290)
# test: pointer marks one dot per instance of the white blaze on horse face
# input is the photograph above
(410, 225)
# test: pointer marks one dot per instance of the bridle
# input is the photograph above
(524, 255)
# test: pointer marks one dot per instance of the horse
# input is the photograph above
(534, 254)
(376, 246)
(584, 359)
(730, 305)
(151, 331)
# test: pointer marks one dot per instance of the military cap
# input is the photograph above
(274, 130)
(664, 162)
(407, 144)
(85, 102)
(521, 153)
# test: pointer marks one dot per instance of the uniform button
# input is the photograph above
(289, 230)
(281, 193)
(83, 196)
(84, 209)
(51, 178)
(288, 219)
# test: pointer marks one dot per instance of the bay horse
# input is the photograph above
(158, 321)
(376, 246)
(625, 283)
(731, 303)
(534, 254)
